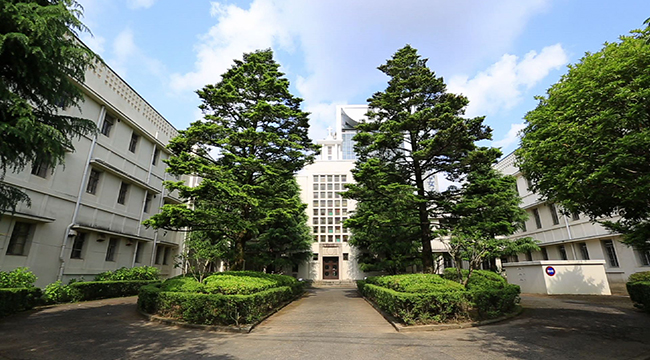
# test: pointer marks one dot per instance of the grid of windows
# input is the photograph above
(348, 146)
(330, 210)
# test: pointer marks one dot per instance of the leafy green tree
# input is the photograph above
(419, 129)
(485, 211)
(203, 249)
(257, 128)
(42, 65)
(586, 143)
(384, 225)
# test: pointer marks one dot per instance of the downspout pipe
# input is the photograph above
(77, 205)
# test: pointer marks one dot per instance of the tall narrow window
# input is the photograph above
(610, 252)
(523, 226)
(544, 253)
(159, 254)
(40, 168)
(124, 189)
(575, 216)
(563, 255)
(19, 237)
(538, 220)
(166, 255)
(644, 256)
(112, 249)
(93, 181)
(147, 202)
(156, 154)
(107, 125)
(134, 142)
(554, 217)
(138, 251)
(584, 251)
(529, 256)
(77, 246)
(529, 183)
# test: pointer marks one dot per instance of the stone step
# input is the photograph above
(334, 283)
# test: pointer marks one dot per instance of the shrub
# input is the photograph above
(183, 284)
(17, 278)
(94, 290)
(639, 293)
(494, 302)
(237, 285)
(412, 308)
(640, 276)
(13, 300)
(479, 278)
(415, 283)
(236, 297)
(135, 273)
(57, 292)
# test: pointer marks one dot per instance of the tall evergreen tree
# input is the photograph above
(419, 129)
(41, 64)
(257, 128)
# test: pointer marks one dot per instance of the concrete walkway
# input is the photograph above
(332, 324)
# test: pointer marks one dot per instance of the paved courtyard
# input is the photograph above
(329, 324)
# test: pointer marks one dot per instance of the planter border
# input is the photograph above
(243, 329)
(400, 327)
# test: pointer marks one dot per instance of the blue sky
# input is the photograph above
(499, 53)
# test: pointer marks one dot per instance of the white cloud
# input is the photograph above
(138, 4)
(126, 54)
(500, 86)
(510, 138)
(95, 43)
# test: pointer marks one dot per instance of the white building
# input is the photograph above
(86, 216)
(572, 237)
(321, 184)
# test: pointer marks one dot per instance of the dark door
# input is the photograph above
(330, 268)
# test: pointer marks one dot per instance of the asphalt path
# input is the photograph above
(332, 323)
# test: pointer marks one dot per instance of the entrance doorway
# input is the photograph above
(330, 268)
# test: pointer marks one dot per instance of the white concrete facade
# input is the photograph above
(572, 237)
(321, 184)
(557, 277)
(86, 216)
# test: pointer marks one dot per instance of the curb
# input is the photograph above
(399, 327)
(218, 328)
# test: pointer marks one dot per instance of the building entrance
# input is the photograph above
(330, 268)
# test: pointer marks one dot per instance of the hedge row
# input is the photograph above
(214, 309)
(13, 300)
(640, 293)
(425, 298)
(95, 290)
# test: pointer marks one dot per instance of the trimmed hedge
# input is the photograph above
(232, 297)
(639, 293)
(95, 290)
(134, 273)
(425, 298)
(13, 300)
(640, 276)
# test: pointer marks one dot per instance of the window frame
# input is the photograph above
(40, 168)
(111, 249)
(133, 143)
(107, 125)
(24, 234)
(123, 193)
(76, 251)
(538, 219)
(554, 217)
(611, 257)
(93, 182)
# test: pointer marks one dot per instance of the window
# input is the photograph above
(343, 178)
(77, 246)
(316, 187)
(107, 125)
(529, 183)
(544, 254)
(134, 142)
(562, 250)
(447, 261)
(529, 256)
(315, 178)
(166, 255)
(584, 251)
(538, 221)
(610, 252)
(124, 189)
(156, 153)
(112, 249)
(644, 256)
(345, 256)
(19, 237)
(147, 201)
(93, 181)
(551, 207)
(138, 252)
(523, 226)
(315, 257)
(159, 254)
(575, 216)
(40, 168)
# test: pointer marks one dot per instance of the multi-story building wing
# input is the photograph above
(572, 237)
(86, 216)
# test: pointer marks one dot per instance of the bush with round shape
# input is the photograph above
(17, 278)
